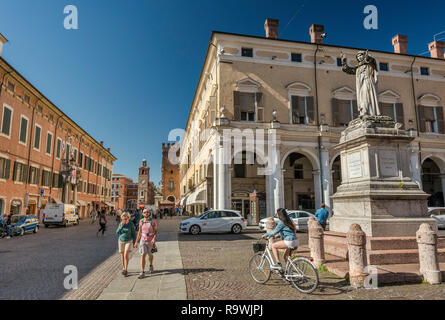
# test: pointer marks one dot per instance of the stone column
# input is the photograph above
(75, 195)
(270, 225)
(429, 263)
(316, 241)
(224, 178)
(215, 177)
(443, 188)
(356, 240)
(274, 175)
(327, 178)
(317, 188)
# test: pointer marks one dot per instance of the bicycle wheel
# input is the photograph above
(303, 275)
(259, 268)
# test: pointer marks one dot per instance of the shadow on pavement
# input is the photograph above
(218, 236)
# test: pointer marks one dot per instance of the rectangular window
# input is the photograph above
(26, 98)
(6, 121)
(383, 66)
(75, 154)
(23, 129)
(20, 172)
(302, 110)
(67, 151)
(34, 175)
(49, 142)
(339, 64)
(11, 86)
(37, 134)
(5, 168)
(247, 106)
(46, 178)
(298, 171)
(80, 159)
(58, 148)
(424, 71)
(171, 185)
(343, 111)
(296, 57)
(247, 52)
(240, 170)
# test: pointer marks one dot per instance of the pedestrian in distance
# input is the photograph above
(322, 215)
(102, 223)
(148, 230)
(127, 239)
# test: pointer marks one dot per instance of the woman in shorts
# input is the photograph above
(286, 230)
(148, 230)
(127, 239)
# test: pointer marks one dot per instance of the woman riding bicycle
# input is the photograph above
(286, 230)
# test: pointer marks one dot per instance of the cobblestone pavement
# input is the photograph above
(216, 267)
(32, 266)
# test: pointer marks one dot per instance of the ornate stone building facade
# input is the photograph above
(297, 92)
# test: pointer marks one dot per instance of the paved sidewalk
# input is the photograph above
(166, 283)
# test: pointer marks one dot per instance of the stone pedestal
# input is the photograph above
(377, 191)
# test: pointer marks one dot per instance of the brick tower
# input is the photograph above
(170, 176)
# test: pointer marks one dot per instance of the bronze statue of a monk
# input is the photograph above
(366, 83)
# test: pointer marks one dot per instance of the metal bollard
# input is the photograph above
(428, 260)
(316, 242)
(356, 240)
(270, 225)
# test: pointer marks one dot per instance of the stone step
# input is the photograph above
(334, 237)
(398, 243)
(405, 256)
(336, 249)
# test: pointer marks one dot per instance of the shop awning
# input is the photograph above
(198, 196)
(56, 200)
(183, 201)
(109, 204)
(81, 203)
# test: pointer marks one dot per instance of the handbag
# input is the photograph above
(154, 249)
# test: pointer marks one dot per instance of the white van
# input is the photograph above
(60, 214)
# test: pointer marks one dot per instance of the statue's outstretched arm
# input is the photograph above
(345, 68)
(348, 69)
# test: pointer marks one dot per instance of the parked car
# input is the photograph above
(214, 221)
(438, 214)
(22, 224)
(60, 214)
(300, 218)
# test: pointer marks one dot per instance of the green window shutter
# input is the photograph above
(236, 106)
(7, 168)
(335, 112)
(310, 110)
(37, 176)
(6, 121)
(422, 125)
(400, 117)
(58, 149)
(24, 173)
(14, 172)
(440, 121)
(23, 130)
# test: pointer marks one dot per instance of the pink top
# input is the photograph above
(147, 229)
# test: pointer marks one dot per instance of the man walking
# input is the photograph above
(322, 215)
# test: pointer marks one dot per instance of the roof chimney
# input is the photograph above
(3, 40)
(108, 149)
(400, 43)
(316, 31)
(271, 27)
(102, 143)
(436, 49)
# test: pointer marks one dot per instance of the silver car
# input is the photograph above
(214, 221)
(299, 217)
(438, 214)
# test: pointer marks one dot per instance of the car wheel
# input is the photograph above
(46, 226)
(195, 229)
(236, 229)
(36, 229)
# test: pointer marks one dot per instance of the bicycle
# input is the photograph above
(299, 271)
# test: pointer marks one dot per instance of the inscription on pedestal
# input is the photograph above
(388, 163)
(355, 165)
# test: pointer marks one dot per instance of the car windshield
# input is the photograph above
(21, 219)
(202, 215)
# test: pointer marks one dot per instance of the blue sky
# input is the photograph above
(128, 74)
